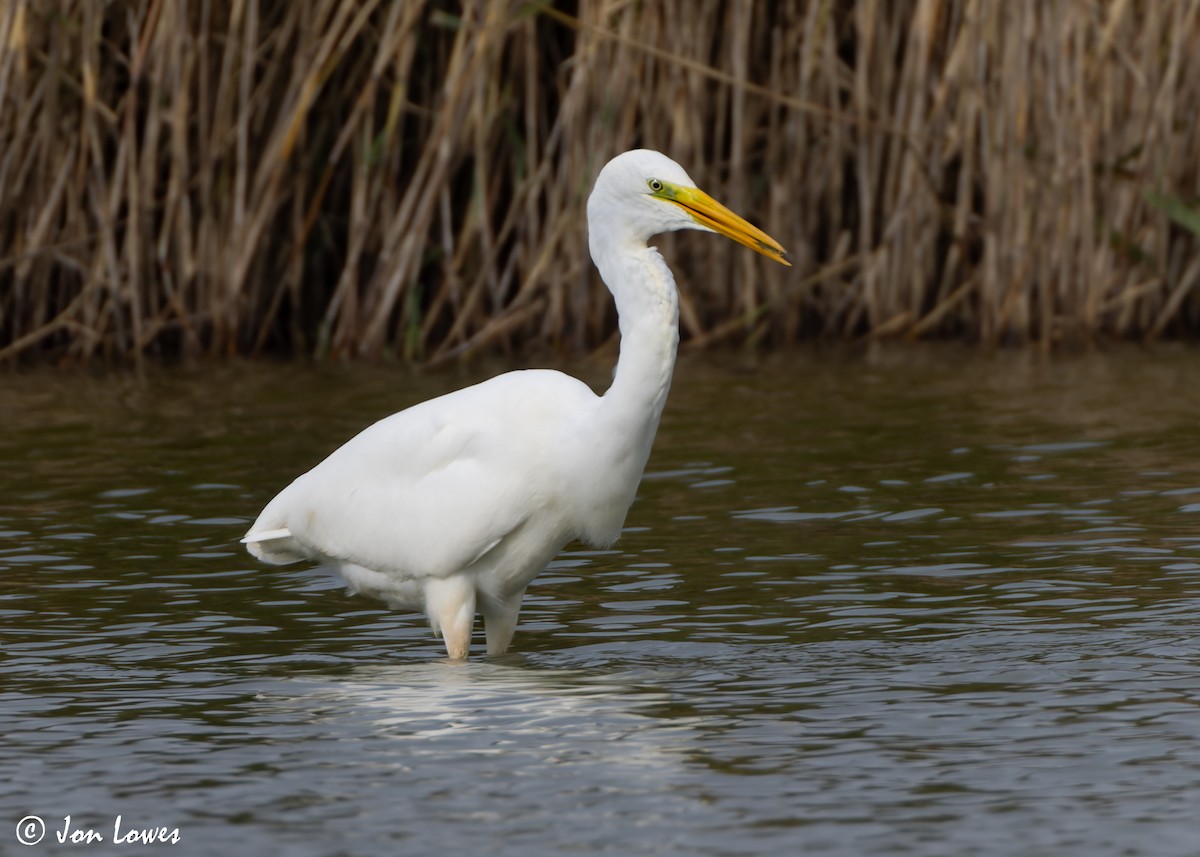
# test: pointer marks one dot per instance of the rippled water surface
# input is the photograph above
(911, 603)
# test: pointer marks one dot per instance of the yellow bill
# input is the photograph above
(708, 212)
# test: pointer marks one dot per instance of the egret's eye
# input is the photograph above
(655, 185)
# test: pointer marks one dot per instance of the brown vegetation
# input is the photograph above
(372, 177)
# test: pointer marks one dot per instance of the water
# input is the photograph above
(910, 603)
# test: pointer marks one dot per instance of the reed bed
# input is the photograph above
(370, 178)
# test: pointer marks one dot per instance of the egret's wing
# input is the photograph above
(429, 490)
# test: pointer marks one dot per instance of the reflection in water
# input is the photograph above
(528, 716)
(467, 747)
(930, 606)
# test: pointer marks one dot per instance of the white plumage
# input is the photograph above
(456, 504)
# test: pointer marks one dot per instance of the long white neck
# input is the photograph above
(648, 315)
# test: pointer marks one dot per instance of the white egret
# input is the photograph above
(457, 503)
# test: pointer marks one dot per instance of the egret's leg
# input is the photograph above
(500, 621)
(450, 606)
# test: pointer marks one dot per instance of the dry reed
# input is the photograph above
(363, 178)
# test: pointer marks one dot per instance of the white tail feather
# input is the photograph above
(266, 535)
(274, 546)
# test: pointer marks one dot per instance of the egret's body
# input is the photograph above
(456, 504)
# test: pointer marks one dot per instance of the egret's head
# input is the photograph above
(643, 193)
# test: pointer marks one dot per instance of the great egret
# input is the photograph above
(459, 502)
